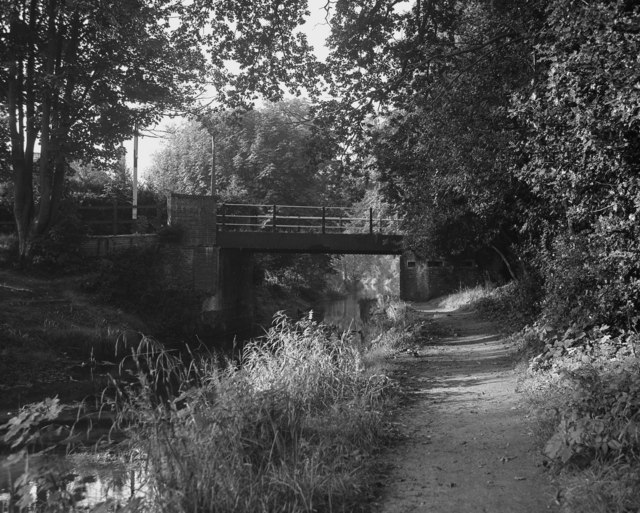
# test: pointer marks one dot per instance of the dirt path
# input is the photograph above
(466, 444)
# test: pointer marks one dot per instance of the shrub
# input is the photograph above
(60, 248)
(591, 279)
(591, 381)
(514, 305)
(134, 279)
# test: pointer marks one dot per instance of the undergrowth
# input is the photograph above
(584, 389)
(288, 428)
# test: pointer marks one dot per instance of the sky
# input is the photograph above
(317, 31)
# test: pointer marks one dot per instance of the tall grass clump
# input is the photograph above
(464, 297)
(392, 327)
(287, 429)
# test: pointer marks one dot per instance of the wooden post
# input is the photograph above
(213, 165)
(371, 220)
(134, 209)
(274, 218)
(224, 217)
(324, 219)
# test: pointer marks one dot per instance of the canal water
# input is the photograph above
(348, 313)
(89, 478)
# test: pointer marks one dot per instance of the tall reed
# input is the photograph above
(288, 429)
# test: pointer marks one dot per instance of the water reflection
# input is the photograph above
(86, 480)
(349, 313)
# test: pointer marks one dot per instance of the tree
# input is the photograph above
(427, 91)
(581, 160)
(79, 75)
(273, 154)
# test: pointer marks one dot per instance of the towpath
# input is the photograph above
(466, 444)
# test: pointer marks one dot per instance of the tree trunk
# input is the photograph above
(506, 262)
(23, 206)
(22, 168)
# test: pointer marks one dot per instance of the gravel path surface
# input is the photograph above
(466, 445)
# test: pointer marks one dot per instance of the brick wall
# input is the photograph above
(195, 215)
(105, 245)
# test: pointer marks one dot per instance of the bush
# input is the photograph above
(134, 279)
(591, 279)
(60, 248)
(585, 389)
(8, 248)
(514, 305)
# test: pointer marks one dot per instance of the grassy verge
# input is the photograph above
(289, 428)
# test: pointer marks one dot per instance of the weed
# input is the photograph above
(584, 388)
(289, 427)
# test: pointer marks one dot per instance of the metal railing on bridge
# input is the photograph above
(302, 219)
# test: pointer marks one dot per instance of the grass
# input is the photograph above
(289, 428)
(513, 305)
(603, 488)
(464, 298)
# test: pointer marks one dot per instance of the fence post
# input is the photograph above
(224, 217)
(115, 217)
(274, 218)
(324, 220)
(371, 220)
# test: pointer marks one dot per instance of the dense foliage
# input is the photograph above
(273, 154)
(581, 158)
(511, 127)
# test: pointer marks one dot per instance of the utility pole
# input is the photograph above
(134, 210)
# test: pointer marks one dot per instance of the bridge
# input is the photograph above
(306, 229)
(211, 250)
(217, 244)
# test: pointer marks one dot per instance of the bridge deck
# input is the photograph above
(304, 229)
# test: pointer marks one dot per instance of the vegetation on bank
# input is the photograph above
(582, 383)
(288, 427)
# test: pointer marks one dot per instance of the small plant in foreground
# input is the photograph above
(585, 386)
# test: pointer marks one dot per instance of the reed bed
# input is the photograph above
(289, 428)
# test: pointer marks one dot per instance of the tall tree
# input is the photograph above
(273, 154)
(438, 77)
(78, 75)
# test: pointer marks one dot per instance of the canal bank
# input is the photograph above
(302, 379)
